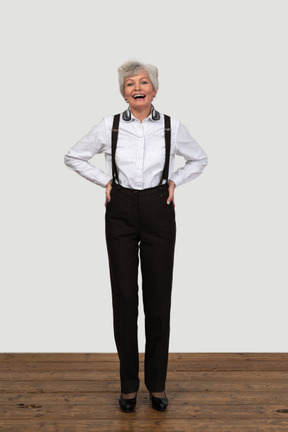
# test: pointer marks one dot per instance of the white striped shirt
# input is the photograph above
(140, 152)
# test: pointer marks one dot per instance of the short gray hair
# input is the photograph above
(132, 68)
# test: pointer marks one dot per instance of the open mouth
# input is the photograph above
(138, 96)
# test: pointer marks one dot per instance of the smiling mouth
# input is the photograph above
(139, 96)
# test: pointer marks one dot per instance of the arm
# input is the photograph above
(196, 158)
(94, 142)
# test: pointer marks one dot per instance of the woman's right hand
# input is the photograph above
(107, 192)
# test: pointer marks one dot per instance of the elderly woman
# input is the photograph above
(140, 145)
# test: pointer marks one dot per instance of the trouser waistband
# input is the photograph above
(142, 192)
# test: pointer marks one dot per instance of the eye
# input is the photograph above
(144, 82)
(129, 84)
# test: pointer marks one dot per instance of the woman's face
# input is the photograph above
(139, 91)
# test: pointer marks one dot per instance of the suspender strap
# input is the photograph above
(168, 146)
(167, 122)
(114, 144)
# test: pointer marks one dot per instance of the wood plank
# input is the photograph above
(109, 398)
(71, 366)
(192, 385)
(114, 376)
(189, 411)
(107, 357)
(129, 424)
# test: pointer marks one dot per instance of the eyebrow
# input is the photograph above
(131, 79)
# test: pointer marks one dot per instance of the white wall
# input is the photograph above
(223, 72)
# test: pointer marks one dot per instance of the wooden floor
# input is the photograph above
(207, 392)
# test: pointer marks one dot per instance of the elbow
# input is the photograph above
(67, 160)
(202, 163)
(204, 160)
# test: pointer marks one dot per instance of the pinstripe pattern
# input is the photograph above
(140, 154)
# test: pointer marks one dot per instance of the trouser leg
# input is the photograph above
(158, 234)
(122, 246)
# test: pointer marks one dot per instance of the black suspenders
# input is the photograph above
(167, 129)
(114, 144)
(167, 126)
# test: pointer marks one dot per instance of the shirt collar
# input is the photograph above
(154, 115)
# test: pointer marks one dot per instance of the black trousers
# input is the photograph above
(141, 221)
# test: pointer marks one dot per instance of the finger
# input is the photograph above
(170, 198)
(107, 192)
(108, 197)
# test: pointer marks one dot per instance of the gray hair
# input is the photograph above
(132, 68)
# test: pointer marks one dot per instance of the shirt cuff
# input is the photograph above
(103, 180)
(176, 179)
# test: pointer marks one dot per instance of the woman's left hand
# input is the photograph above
(171, 188)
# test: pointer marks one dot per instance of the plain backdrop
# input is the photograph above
(223, 73)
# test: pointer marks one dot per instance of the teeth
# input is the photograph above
(138, 96)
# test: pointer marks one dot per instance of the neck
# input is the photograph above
(141, 113)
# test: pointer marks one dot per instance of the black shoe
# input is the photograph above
(127, 405)
(159, 404)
